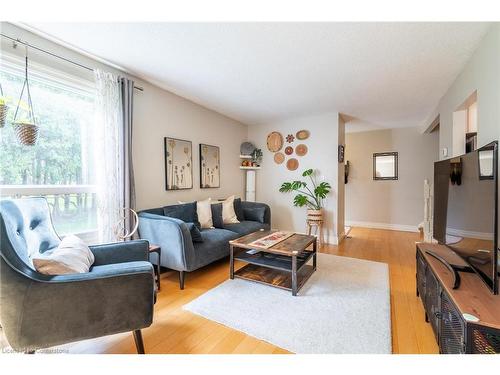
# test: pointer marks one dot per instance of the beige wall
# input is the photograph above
(388, 204)
(157, 114)
(322, 156)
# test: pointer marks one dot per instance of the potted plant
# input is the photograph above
(309, 196)
(26, 132)
(257, 156)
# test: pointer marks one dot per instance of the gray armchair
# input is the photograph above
(39, 311)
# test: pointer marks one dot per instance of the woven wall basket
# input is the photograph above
(3, 114)
(27, 134)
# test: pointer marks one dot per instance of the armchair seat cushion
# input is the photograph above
(246, 227)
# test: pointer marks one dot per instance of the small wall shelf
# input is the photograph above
(245, 156)
(249, 168)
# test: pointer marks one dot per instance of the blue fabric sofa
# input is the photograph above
(180, 253)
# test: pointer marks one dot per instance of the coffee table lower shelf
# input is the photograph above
(274, 277)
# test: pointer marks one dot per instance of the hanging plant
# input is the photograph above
(25, 127)
(3, 108)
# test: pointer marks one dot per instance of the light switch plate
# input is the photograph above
(445, 151)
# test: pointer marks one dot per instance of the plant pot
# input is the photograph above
(27, 134)
(315, 216)
(3, 114)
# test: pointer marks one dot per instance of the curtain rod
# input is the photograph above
(17, 40)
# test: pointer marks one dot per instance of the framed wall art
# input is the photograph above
(209, 166)
(178, 164)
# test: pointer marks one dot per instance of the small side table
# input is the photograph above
(156, 249)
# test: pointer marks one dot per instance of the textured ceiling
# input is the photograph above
(388, 74)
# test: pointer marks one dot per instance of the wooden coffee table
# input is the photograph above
(283, 265)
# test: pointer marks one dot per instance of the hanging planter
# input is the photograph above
(26, 128)
(27, 134)
(3, 108)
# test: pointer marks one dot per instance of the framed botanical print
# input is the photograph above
(178, 164)
(209, 166)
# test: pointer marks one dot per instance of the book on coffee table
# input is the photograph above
(271, 239)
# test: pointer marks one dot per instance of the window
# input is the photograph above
(60, 165)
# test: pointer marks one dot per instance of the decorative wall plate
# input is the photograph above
(292, 164)
(301, 150)
(274, 141)
(302, 134)
(279, 158)
(290, 138)
(246, 148)
(289, 150)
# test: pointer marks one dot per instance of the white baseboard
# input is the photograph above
(470, 234)
(367, 224)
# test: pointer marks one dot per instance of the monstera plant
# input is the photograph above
(310, 196)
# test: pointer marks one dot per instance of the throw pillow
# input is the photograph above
(186, 212)
(255, 214)
(195, 232)
(238, 209)
(228, 214)
(205, 213)
(217, 215)
(71, 256)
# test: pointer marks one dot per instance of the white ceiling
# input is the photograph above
(388, 74)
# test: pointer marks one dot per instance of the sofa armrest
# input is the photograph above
(174, 238)
(120, 252)
(267, 214)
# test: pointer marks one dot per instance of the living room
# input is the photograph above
(249, 188)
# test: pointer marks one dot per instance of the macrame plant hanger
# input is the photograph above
(26, 130)
(3, 108)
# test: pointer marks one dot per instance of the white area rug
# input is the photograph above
(343, 308)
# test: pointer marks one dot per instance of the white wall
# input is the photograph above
(322, 155)
(340, 183)
(157, 114)
(393, 204)
(481, 73)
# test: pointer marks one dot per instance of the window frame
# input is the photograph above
(38, 72)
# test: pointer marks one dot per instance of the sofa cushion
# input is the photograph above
(246, 227)
(195, 232)
(228, 213)
(205, 213)
(217, 215)
(185, 212)
(238, 209)
(215, 245)
(255, 214)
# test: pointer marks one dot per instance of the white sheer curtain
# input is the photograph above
(108, 154)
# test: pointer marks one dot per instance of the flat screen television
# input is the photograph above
(466, 210)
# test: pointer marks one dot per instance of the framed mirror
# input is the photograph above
(486, 164)
(385, 166)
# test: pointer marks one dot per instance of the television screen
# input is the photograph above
(465, 210)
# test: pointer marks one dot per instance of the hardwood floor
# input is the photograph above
(177, 331)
